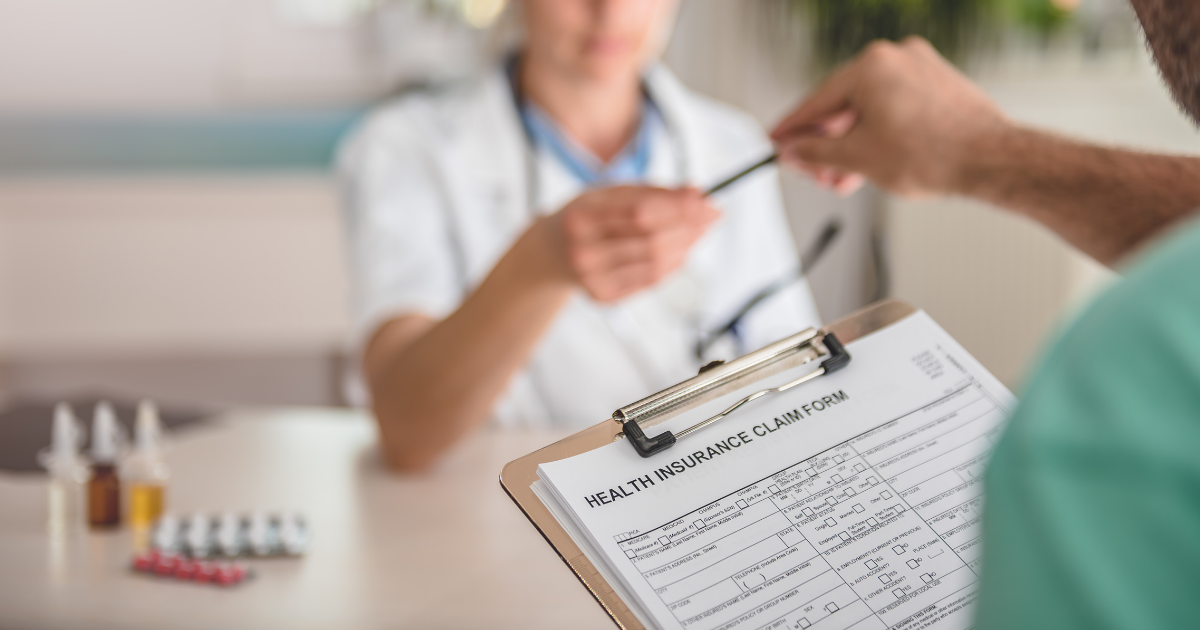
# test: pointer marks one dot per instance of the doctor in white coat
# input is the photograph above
(531, 248)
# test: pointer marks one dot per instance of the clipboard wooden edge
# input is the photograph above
(518, 476)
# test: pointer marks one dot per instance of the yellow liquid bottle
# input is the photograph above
(147, 473)
(146, 503)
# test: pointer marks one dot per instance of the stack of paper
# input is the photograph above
(851, 501)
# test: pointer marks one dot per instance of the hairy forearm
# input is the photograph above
(1104, 201)
(432, 388)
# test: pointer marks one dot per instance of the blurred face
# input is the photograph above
(596, 39)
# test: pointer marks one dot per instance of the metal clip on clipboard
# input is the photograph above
(720, 378)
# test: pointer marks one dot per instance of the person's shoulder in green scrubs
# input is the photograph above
(1093, 493)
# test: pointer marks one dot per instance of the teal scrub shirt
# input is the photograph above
(1093, 493)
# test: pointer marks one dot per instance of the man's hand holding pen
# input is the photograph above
(898, 114)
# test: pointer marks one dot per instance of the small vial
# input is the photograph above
(67, 473)
(229, 535)
(166, 535)
(198, 541)
(145, 470)
(104, 487)
(145, 503)
(293, 534)
(258, 534)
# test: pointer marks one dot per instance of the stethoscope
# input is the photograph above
(616, 319)
(533, 183)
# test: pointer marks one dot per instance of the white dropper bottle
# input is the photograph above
(147, 473)
(67, 472)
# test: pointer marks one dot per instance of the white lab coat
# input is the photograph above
(435, 189)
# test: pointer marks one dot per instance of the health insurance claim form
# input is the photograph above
(851, 501)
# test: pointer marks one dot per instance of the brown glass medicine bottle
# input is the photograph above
(104, 486)
(104, 496)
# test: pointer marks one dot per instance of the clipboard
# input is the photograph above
(518, 476)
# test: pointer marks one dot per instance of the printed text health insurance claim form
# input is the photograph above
(852, 501)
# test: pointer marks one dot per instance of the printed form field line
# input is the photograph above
(810, 459)
(785, 489)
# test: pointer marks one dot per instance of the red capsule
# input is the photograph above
(144, 562)
(206, 572)
(186, 570)
(166, 565)
(227, 577)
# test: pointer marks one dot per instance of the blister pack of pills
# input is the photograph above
(231, 535)
(172, 566)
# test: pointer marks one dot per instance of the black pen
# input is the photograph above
(765, 161)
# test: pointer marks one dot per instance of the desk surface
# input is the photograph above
(444, 550)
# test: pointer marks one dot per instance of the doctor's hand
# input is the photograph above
(898, 114)
(614, 242)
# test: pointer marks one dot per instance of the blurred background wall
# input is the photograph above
(169, 225)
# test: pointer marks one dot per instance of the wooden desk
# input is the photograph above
(444, 550)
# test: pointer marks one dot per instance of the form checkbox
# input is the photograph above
(872, 522)
(741, 504)
(899, 549)
(836, 478)
(851, 491)
(699, 524)
(859, 468)
(870, 564)
(830, 522)
(664, 541)
(914, 563)
(859, 508)
(629, 553)
(774, 489)
(885, 494)
(810, 471)
(837, 459)
(808, 512)
(844, 536)
(831, 501)
(885, 578)
(804, 622)
(899, 593)
(872, 480)
(926, 578)
(831, 607)
(898, 507)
